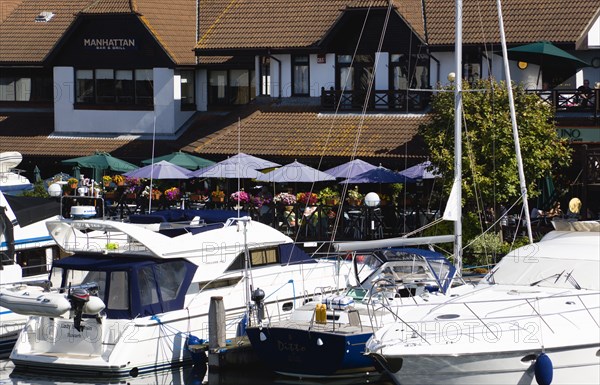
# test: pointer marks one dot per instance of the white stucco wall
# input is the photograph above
(167, 100)
(321, 74)
(382, 60)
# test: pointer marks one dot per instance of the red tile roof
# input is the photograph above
(22, 40)
(6, 8)
(290, 133)
(248, 24)
(524, 20)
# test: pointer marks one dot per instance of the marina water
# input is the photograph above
(187, 375)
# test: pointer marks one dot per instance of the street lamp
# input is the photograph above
(55, 190)
(372, 199)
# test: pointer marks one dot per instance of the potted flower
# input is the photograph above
(217, 195)
(308, 198)
(119, 180)
(354, 197)
(285, 199)
(329, 196)
(107, 180)
(156, 193)
(172, 194)
(240, 197)
(72, 182)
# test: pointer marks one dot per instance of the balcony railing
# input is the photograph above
(387, 100)
(564, 100)
(570, 100)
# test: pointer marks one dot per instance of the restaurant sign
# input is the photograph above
(580, 134)
(109, 44)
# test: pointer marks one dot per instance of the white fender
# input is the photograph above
(93, 306)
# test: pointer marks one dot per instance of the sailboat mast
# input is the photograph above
(458, 137)
(513, 118)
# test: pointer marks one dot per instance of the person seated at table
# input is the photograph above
(555, 211)
(584, 94)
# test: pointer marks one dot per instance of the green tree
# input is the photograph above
(489, 160)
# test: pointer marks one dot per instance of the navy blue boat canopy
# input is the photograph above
(130, 287)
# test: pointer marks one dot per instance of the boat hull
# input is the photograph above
(575, 365)
(311, 353)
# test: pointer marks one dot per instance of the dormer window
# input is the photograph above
(44, 17)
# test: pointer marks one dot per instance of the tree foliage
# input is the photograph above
(489, 162)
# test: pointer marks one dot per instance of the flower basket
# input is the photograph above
(285, 199)
(72, 182)
(240, 197)
(119, 180)
(172, 194)
(217, 196)
(308, 198)
(329, 196)
(106, 180)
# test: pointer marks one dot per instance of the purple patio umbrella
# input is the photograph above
(419, 171)
(350, 169)
(241, 165)
(295, 172)
(160, 170)
(379, 175)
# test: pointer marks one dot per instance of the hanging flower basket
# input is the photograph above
(72, 182)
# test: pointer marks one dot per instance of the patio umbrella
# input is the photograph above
(182, 159)
(295, 172)
(227, 171)
(419, 171)
(37, 176)
(100, 161)
(555, 61)
(160, 170)
(350, 169)
(240, 165)
(249, 161)
(379, 175)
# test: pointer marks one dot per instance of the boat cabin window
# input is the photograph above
(118, 297)
(148, 291)
(169, 288)
(365, 265)
(258, 257)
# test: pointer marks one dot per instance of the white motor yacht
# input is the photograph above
(135, 297)
(534, 319)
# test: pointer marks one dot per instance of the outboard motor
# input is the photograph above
(258, 296)
(78, 298)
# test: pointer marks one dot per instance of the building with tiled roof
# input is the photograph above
(295, 78)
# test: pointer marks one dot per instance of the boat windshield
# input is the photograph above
(547, 272)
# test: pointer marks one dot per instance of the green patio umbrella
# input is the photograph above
(554, 61)
(182, 159)
(100, 161)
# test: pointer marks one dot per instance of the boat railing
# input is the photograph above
(525, 315)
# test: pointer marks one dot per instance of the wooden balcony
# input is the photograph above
(387, 100)
(569, 100)
(564, 100)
